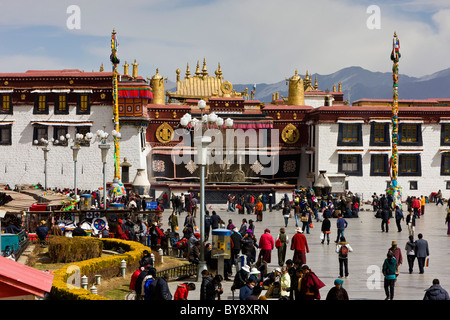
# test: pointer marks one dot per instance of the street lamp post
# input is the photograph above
(104, 148)
(103, 137)
(201, 141)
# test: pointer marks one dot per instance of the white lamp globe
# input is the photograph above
(229, 122)
(184, 121)
(201, 104)
(219, 122)
(212, 117)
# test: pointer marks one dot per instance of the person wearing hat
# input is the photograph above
(282, 245)
(266, 245)
(397, 255)
(337, 292)
(300, 246)
(241, 277)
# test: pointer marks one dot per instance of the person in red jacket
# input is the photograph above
(300, 246)
(416, 207)
(266, 245)
(134, 277)
(182, 291)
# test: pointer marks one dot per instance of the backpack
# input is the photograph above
(147, 289)
(343, 251)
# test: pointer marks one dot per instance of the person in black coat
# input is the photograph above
(160, 289)
(146, 259)
(235, 245)
(78, 231)
(385, 215)
(215, 219)
(42, 231)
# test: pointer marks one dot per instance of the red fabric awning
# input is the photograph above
(130, 92)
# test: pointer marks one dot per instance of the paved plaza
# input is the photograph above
(370, 246)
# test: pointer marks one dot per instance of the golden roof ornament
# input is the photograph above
(178, 71)
(197, 70)
(340, 87)
(334, 88)
(204, 71)
(101, 68)
(125, 68)
(316, 86)
(188, 73)
(135, 69)
(157, 76)
(219, 73)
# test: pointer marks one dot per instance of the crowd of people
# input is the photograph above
(251, 254)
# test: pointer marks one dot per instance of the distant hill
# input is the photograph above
(359, 83)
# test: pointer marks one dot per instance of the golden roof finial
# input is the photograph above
(101, 68)
(135, 69)
(188, 73)
(157, 76)
(178, 71)
(197, 70)
(125, 68)
(219, 72)
(204, 71)
(334, 88)
(340, 87)
(316, 86)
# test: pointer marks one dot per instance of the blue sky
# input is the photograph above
(255, 41)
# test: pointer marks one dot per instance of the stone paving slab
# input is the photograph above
(370, 245)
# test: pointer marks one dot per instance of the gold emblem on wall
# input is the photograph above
(164, 133)
(290, 134)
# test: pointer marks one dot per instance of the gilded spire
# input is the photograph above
(316, 86)
(125, 68)
(188, 73)
(101, 68)
(204, 71)
(334, 88)
(135, 69)
(197, 70)
(340, 87)
(219, 72)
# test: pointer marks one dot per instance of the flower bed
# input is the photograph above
(65, 278)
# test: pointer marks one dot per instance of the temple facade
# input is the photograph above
(44, 106)
(272, 147)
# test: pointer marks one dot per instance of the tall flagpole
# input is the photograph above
(115, 61)
(394, 189)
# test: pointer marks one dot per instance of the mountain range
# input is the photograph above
(358, 83)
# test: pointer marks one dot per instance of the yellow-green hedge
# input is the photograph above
(60, 289)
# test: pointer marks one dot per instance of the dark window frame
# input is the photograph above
(445, 156)
(418, 141)
(57, 104)
(359, 140)
(387, 141)
(88, 107)
(359, 167)
(386, 165)
(83, 143)
(10, 111)
(9, 130)
(417, 173)
(57, 136)
(35, 135)
(443, 129)
(36, 104)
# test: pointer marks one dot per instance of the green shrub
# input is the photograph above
(65, 250)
